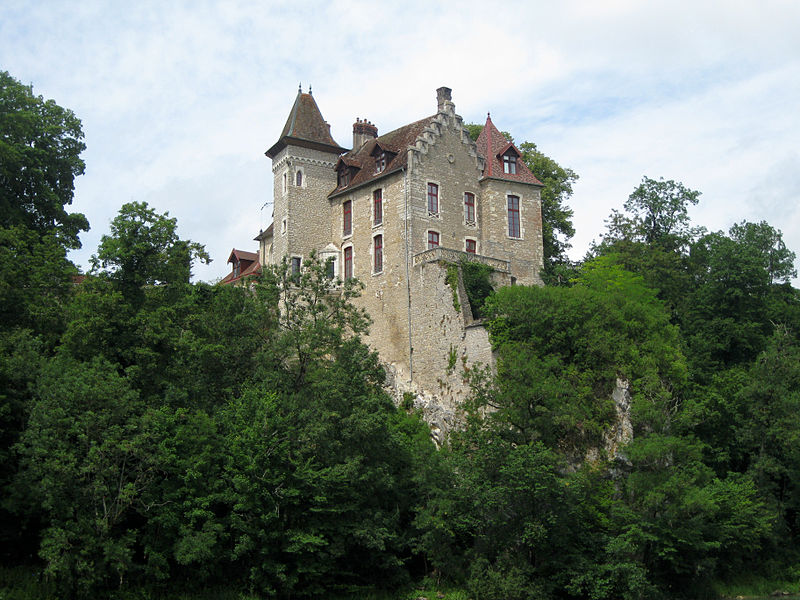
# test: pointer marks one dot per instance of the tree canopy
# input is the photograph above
(40, 147)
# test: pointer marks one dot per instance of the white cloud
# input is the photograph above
(179, 100)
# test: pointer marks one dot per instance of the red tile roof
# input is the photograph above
(306, 127)
(242, 255)
(395, 142)
(492, 145)
(250, 266)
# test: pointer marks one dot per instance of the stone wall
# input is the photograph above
(305, 209)
(423, 338)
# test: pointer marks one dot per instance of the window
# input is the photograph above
(433, 240)
(296, 262)
(471, 246)
(236, 268)
(347, 217)
(299, 179)
(344, 177)
(348, 262)
(284, 183)
(330, 268)
(513, 216)
(377, 248)
(380, 162)
(377, 207)
(283, 226)
(469, 208)
(509, 164)
(433, 199)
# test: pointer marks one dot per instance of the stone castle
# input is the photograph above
(395, 211)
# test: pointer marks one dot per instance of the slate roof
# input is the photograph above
(395, 142)
(492, 145)
(306, 127)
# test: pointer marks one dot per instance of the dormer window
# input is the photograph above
(236, 269)
(344, 177)
(510, 163)
(380, 162)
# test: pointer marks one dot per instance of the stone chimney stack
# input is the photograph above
(363, 131)
(443, 98)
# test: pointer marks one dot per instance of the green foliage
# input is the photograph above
(452, 280)
(144, 249)
(161, 435)
(557, 228)
(561, 351)
(39, 159)
(477, 279)
(657, 214)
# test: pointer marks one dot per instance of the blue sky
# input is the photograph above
(179, 100)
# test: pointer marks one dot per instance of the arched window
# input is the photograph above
(299, 179)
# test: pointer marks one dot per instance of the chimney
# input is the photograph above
(443, 97)
(363, 131)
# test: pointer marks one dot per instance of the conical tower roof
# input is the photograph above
(306, 127)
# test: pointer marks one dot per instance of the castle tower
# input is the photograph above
(510, 199)
(303, 162)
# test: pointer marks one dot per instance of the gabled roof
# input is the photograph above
(252, 267)
(242, 255)
(395, 142)
(509, 146)
(306, 127)
(493, 145)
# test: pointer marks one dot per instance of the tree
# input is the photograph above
(657, 214)
(561, 350)
(144, 249)
(652, 238)
(776, 258)
(557, 228)
(40, 148)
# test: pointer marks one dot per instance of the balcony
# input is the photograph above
(457, 256)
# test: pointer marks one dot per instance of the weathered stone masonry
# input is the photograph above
(421, 173)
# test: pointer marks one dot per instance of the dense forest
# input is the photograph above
(161, 435)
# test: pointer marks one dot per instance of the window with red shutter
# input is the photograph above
(377, 207)
(433, 199)
(377, 263)
(513, 217)
(347, 217)
(469, 208)
(348, 262)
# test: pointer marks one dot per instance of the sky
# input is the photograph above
(179, 100)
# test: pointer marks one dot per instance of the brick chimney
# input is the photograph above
(443, 97)
(363, 131)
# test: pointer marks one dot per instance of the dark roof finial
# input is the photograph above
(309, 90)
(488, 115)
(299, 88)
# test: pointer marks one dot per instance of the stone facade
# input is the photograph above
(443, 198)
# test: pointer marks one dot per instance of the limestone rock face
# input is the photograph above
(621, 432)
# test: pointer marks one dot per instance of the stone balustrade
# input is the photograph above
(457, 256)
